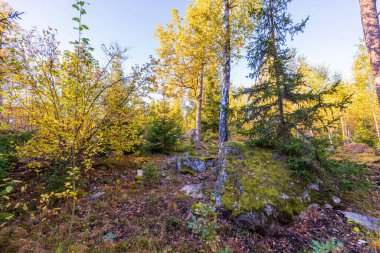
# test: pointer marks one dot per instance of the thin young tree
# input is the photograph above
(226, 72)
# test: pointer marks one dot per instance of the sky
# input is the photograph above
(330, 37)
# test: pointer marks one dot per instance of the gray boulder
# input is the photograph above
(369, 222)
(95, 196)
(190, 164)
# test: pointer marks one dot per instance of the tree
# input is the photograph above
(163, 130)
(8, 18)
(236, 27)
(359, 121)
(280, 101)
(226, 55)
(370, 22)
(188, 52)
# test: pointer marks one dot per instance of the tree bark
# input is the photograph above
(198, 128)
(224, 103)
(344, 137)
(376, 123)
(370, 21)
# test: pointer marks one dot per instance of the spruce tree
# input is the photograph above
(280, 102)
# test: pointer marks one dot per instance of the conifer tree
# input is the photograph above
(280, 102)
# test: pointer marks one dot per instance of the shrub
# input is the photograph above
(151, 174)
(8, 157)
(329, 246)
(204, 223)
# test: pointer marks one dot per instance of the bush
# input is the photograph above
(204, 223)
(8, 157)
(329, 246)
(308, 157)
(151, 174)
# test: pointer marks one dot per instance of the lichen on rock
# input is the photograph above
(187, 164)
(256, 189)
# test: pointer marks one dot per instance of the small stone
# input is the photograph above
(93, 188)
(110, 237)
(268, 209)
(140, 173)
(202, 178)
(284, 196)
(319, 181)
(96, 196)
(362, 242)
(313, 206)
(306, 196)
(336, 199)
(193, 190)
(328, 206)
(313, 187)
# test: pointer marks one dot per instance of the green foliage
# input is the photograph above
(211, 104)
(364, 133)
(327, 247)
(281, 103)
(151, 174)
(225, 250)
(162, 135)
(173, 223)
(204, 223)
(8, 155)
(7, 186)
(308, 157)
(163, 130)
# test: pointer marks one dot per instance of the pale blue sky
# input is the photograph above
(329, 39)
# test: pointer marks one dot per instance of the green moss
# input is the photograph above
(255, 180)
(188, 171)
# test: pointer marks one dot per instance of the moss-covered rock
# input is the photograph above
(257, 189)
(191, 164)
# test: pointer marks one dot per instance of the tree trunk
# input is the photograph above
(376, 123)
(370, 21)
(224, 103)
(198, 128)
(344, 137)
(278, 72)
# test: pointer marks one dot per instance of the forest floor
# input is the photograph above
(129, 215)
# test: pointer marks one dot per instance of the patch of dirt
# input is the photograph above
(356, 148)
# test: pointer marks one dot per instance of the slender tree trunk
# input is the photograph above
(343, 129)
(370, 21)
(224, 103)
(376, 123)
(331, 138)
(278, 71)
(198, 136)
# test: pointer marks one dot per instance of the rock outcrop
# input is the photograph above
(190, 164)
(256, 189)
